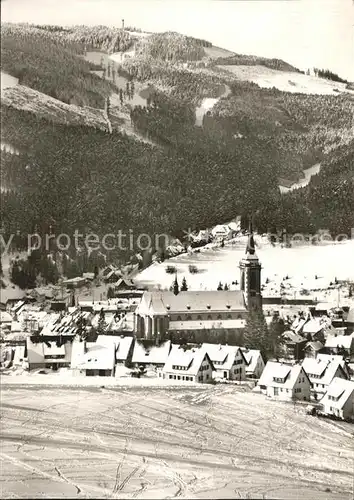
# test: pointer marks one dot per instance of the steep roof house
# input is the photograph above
(340, 344)
(255, 362)
(335, 357)
(93, 359)
(293, 344)
(229, 361)
(312, 349)
(284, 382)
(339, 399)
(188, 365)
(148, 355)
(48, 354)
(321, 373)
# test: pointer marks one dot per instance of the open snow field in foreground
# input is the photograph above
(186, 442)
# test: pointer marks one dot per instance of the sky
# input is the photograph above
(305, 33)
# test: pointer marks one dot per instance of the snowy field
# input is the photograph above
(7, 81)
(286, 81)
(301, 264)
(202, 442)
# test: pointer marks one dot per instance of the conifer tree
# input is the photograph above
(220, 287)
(102, 325)
(184, 286)
(175, 286)
(256, 334)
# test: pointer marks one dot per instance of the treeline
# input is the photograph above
(172, 47)
(328, 75)
(45, 65)
(326, 203)
(188, 86)
(109, 39)
(246, 60)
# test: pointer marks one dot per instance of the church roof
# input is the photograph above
(166, 302)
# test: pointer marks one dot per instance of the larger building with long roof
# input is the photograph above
(160, 312)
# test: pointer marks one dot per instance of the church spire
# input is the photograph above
(250, 247)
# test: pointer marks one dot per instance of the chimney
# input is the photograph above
(122, 24)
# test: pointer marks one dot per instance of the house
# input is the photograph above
(48, 354)
(77, 282)
(321, 373)
(315, 328)
(93, 359)
(339, 399)
(123, 346)
(255, 363)
(284, 382)
(5, 320)
(312, 349)
(222, 232)
(340, 344)
(335, 357)
(124, 284)
(149, 355)
(293, 345)
(188, 365)
(229, 361)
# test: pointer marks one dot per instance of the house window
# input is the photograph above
(276, 391)
(179, 318)
(189, 318)
(170, 376)
(210, 316)
(229, 316)
(219, 316)
(199, 317)
(207, 376)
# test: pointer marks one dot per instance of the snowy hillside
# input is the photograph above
(286, 81)
(27, 99)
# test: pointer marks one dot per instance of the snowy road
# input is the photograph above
(200, 442)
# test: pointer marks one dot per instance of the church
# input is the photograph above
(162, 312)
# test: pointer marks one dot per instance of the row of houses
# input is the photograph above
(101, 357)
(327, 380)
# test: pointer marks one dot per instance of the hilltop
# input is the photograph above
(87, 97)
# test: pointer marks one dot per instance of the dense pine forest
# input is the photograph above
(71, 177)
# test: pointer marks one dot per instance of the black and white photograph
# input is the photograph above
(177, 249)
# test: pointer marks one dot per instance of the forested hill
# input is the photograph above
(78, 177)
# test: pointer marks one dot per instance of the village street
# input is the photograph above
(189, 442)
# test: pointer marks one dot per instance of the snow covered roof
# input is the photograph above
(280, 375)
(293, 337)
(222, 355)
(166, 302)
(338, 393)
(5, 317)
(151, 355)
(315, 346)
(321, 371)
(220, 229)
(345, 341)
(121, 345)
(314, 325)
(252, 356)
(207, 324)
(189, 359)
(92, 356)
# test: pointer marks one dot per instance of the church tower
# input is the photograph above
(250, 268)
